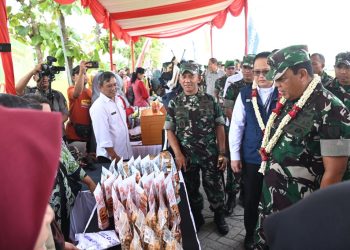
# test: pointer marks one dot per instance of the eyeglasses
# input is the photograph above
(258, 72)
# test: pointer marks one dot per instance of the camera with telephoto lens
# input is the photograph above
(49, 70)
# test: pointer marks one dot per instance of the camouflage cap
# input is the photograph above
(193, 68)
(229, 63)
(343, 57)
(282, 59)
(248, 60)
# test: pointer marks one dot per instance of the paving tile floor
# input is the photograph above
(210, 239)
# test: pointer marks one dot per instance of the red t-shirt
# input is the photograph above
(78, 111)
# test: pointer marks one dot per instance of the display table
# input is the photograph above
(141, 150)
(81, 213)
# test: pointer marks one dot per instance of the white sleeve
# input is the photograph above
(231, 80)
(237, 128)
(99, 118)
(172, 83)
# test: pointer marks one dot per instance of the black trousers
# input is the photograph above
(102, 159)
(252, 187)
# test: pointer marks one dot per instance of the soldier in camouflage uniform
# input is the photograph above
(219, 94)
(234, 180)
(318, 61)
(340, 86)
(195, 130)
(220, 83)
(313, 149)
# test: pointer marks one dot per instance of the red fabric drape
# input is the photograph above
(211, 39)
(63, 2)
(6, 57)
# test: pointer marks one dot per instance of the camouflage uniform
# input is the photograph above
(233, 181)
(194, 119)
(295, 167)
(339, 90)
(326, 79)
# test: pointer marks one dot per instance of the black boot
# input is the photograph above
(249, 243)
(198, 219)
(219, 219)
(230, 204)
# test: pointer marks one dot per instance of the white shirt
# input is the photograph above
(110, 128)
(238, 122)
(232, 79)
(210, 78)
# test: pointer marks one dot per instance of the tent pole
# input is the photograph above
(246, 26)
(132, 56)
(110, 43)
(211, 39)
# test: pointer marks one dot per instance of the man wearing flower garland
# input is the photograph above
(340, 86)
(232, 89)
(252, 109)
(195, 130)
(306, 140)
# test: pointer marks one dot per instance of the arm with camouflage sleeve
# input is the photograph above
(220, 132)
(335, 144)
(229, 101)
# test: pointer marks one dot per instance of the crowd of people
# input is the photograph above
(274, 127)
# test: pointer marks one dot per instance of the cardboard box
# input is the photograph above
(151, 126)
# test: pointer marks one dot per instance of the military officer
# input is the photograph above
(195, 130)
(318, 62)
(340, 86)
(306, 143)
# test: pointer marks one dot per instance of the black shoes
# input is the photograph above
(230, 204)
(219, 219)
(249, 243)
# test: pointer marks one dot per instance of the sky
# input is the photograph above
(320, 24)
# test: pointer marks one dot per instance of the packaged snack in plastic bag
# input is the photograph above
(136, 243)
(146, 165)
(108, 191)
(165, 161)
(118, 208)
(131, 209)
(151, 217)
(141, 198)
(112, 167)
(116, 184)
(135, 172)
(102, 214)
(146, 182)
(106, 173)
(125, 235)
(137, 163)
(156, 160)
(170, 194)
(124, 186)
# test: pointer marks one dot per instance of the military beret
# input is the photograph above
(248, 60)
(193, 68)
(285, 58)
(343, 57)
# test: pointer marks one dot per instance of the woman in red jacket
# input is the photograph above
(139, 89)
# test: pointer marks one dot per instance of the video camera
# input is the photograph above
(47, 69)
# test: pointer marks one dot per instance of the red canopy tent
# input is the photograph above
(131, 19)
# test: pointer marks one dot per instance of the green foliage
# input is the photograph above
(35, 23)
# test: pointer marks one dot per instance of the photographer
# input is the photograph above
(58, 101)
(79, 126)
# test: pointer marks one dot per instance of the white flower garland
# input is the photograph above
(267, 146)
(256, 107)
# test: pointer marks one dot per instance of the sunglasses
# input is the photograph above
(258, 72)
